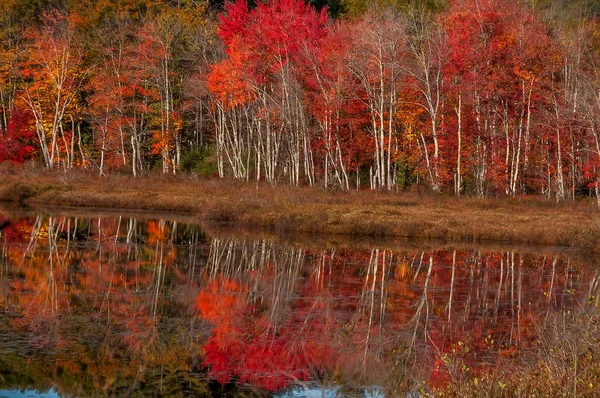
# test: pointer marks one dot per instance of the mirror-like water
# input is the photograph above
(129, 306)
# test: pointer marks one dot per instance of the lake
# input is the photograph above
(96, 304)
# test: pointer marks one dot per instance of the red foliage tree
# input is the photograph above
(260, 82)
(500, 66)
(16, 141)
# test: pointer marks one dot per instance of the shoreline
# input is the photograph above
(309, 210)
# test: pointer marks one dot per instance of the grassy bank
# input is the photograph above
(311, 210)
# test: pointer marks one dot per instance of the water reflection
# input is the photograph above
(127, 306)
(27, 394)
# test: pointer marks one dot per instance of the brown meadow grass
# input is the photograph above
(563, 364)
(310, 210)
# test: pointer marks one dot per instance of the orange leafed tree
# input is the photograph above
(53, 75)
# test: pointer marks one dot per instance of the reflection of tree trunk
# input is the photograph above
(35, 233)
(419, 267)
(373, 264)
(286, 263)
(193, 257)
(51, 294)
(499, 291)
(234, 258)
(469, 295)
(551, 288)
(383, 301)
(158, 279)
(512, 282)
(554, 261)
(520, 297)
(424, 302)
(451, 286)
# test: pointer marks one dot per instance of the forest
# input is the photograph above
(468, 97)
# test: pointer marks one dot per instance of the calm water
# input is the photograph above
(130, 306)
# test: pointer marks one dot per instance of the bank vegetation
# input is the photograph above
(404, 215)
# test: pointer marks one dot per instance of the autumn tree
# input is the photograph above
(159, 39)
(139, 85)
(341, 146)
(53, 74)
(10, 39)
(504, 59)
(258, 91)
(422, 101)
(582, 99)
(17, 137)
(379, 49)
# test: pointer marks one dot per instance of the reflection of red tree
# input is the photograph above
(49, 280)
(500, 324)
(246, 346)
(11, 231)
(285, 319)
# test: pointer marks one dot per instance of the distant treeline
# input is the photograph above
(478, 97)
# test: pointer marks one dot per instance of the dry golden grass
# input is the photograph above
(531, 221)
(564, 362)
